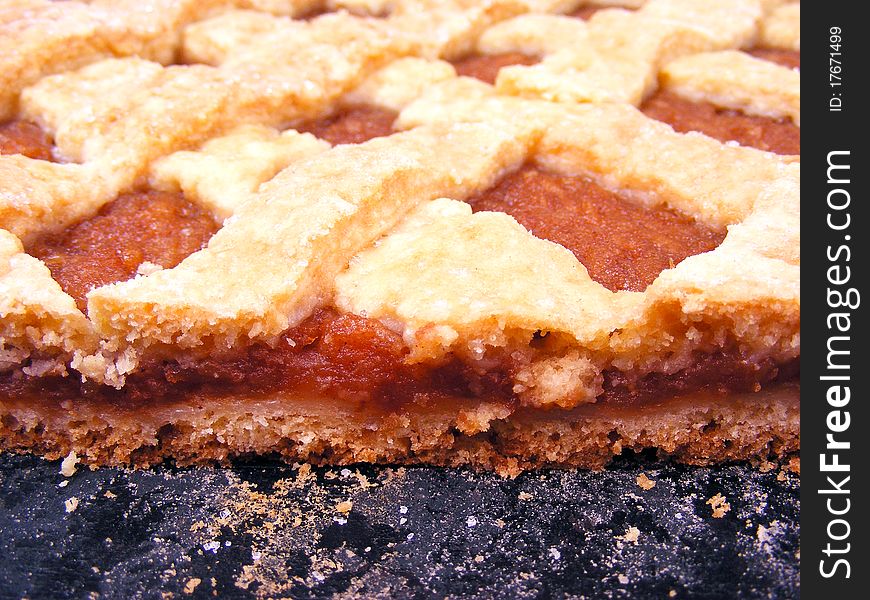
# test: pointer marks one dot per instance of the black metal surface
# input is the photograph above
(267, 530)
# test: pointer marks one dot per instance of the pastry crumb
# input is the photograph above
(719, 505)
(766, 466)
(71, 504)
(344, 507)
(623, 579)
(304, 473)
(363, 480)
(525, 496)
(632, 534)
(148, 268)
(197, 526)
(645, 482)
(68, 465)
(191, 584)
(110, 495)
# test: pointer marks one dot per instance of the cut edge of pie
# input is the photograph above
(549, 350)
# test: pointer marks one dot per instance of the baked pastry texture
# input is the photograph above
(504, 234)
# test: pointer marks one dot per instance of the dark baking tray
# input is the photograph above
(264, 529)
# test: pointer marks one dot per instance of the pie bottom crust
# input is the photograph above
(700, 429)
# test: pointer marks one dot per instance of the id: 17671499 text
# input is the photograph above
(835, 69)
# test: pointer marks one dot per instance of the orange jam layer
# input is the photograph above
(786, 58)
(781, 136)
(354, 125)
(24, 137)
(361, 362)
(157, 227)
(623, 244)
(485, 67)
(357, 11)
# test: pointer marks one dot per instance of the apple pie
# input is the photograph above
(503, 233)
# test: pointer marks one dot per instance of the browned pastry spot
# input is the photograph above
(781, 136)
(323, 9)
(312, 14)
(623, 244)
(158, 227)
(585, 12)
(354, 125)
(786, 58)
(24, 137)
(313, 11)
(486, 66)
